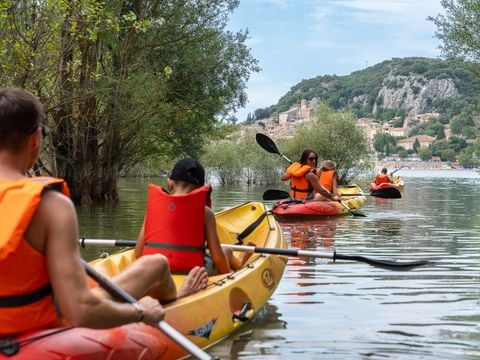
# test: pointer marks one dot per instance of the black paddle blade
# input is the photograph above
(275, 194)
(266, 143)
(385, 264)
(358, 214)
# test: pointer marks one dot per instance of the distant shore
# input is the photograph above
(418, 165)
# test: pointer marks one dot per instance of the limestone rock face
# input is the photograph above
(414, 94)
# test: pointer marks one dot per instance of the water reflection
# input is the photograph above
(350, 310)
(255, 337)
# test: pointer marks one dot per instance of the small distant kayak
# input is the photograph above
(352, 196)
(388, 190)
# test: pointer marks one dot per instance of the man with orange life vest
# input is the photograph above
(180, 223)
(40, 266)
(383, 177)
(328, 178)
(304, 180)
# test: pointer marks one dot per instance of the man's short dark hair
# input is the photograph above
(21, 113)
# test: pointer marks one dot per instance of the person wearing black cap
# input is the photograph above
(175, 224)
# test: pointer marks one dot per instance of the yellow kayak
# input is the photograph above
(205, 317)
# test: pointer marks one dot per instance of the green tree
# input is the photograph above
(424, 153)
(457, 144)
(457, 29)
(384, 143)
(334, 135)
(447, 155)
(403, 154)
(123, 81)
(416, 145)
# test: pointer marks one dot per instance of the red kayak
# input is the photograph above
(290, 210)
(388, 190)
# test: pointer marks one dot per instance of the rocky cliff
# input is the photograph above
(413, 94)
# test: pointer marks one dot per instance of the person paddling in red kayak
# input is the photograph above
(304, 179)
(179, 224)
(43, 282)
(383, 177)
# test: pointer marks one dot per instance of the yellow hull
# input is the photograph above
(208, 316)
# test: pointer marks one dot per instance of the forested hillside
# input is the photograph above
(395, 87)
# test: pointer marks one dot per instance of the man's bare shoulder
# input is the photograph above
(54, 207)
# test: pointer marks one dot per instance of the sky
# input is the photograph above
(302, 39)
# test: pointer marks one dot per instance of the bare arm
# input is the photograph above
(286, 176)
(335, 185)
(140, 241)
(219, 258)
(313, 180)
(55, 223)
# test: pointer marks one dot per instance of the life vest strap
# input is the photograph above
(299, 190)
(26, 299)
(175, 247)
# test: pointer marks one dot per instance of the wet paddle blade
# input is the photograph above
(275, 194)
(384, 264)
(353, 212)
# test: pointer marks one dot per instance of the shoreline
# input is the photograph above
(419, 165)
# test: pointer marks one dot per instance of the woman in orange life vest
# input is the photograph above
(304, 180)
(383, 177)
(328, 178)
(180, 223)
(40, 264)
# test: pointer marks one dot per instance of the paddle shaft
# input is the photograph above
(385, 264)
(394, 171)
(171, 332)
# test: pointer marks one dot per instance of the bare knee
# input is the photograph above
(155, 265)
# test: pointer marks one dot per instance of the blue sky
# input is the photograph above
(301, 39)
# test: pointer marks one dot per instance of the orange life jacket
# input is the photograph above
(300, 188)
(25, 301)
(380, 179)
(326, 179)
(175, 225)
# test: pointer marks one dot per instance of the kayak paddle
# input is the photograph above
(385, 264)
(267, 144)
(120, 294)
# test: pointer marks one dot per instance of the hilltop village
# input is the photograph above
(288, 120)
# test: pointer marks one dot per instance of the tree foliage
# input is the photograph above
(458, 30)
(123, 81)
(242, 162)
(334, 136)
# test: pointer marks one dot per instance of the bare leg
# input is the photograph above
(148, 275)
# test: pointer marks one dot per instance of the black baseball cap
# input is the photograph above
(189, 170)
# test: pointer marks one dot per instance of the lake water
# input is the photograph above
(351, 310)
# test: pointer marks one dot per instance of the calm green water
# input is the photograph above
(350, 310)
